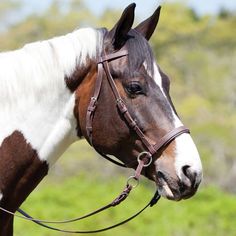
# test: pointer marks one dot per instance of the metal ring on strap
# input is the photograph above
(132, 181)
(145, 154)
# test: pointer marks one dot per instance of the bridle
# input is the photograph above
(144, 159)
(103, 66)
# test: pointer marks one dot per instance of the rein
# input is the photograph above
(143, 162)
(144, 159)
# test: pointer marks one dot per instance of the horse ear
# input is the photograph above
(147, 27)
(119, 32)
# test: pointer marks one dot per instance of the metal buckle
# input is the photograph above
(94, 99)
(121, 105)
(119, 100)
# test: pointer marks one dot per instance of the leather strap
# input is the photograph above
(152, 149)
(113, 56)
(122, 196)
(93, 101)
(93, 104)
(170, 137)
(97, 89)
(153, 201)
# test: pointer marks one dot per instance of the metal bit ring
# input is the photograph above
(145, 154)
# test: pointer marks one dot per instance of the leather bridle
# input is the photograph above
(144, 158)
(103, 66)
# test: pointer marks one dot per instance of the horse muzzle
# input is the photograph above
(174, 188)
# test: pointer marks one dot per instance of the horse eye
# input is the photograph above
(134, 88)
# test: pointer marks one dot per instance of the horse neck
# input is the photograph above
(36, 100)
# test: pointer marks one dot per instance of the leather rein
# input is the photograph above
(144, 159)
(132, 182)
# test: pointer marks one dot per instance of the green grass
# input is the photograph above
(210, 212)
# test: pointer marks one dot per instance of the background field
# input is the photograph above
(199, 55)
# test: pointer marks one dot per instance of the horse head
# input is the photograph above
(144, 88)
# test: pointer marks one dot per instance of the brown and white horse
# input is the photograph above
(45, 89)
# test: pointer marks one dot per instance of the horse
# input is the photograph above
(98, 84)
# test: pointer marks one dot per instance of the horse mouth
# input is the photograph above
(173, 189)
(169, 188)
(165, 190)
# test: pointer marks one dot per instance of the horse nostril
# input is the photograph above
(189, 175)
(185, 170)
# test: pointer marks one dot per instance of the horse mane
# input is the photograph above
(47, 61)
(32, 82)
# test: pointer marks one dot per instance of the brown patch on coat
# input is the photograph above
(20, 172)
(83, 95)
(165, 160)
(76, 78)
(170, 150)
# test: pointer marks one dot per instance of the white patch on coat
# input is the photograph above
(34, 98)
(187, 155)
(186, 151)
(158, 79)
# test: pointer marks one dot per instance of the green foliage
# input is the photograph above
(60, 18)
(211, 212)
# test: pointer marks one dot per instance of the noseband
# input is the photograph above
(103, 66)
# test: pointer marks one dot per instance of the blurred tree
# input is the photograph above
(60, 18)
(225, 13)
(8, 9)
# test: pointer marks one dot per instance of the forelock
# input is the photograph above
(139, 53)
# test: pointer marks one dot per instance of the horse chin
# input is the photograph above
(166, 192)
(164, 189)
(172, 191)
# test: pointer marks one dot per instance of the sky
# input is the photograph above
(146, 6)
(143, 8)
